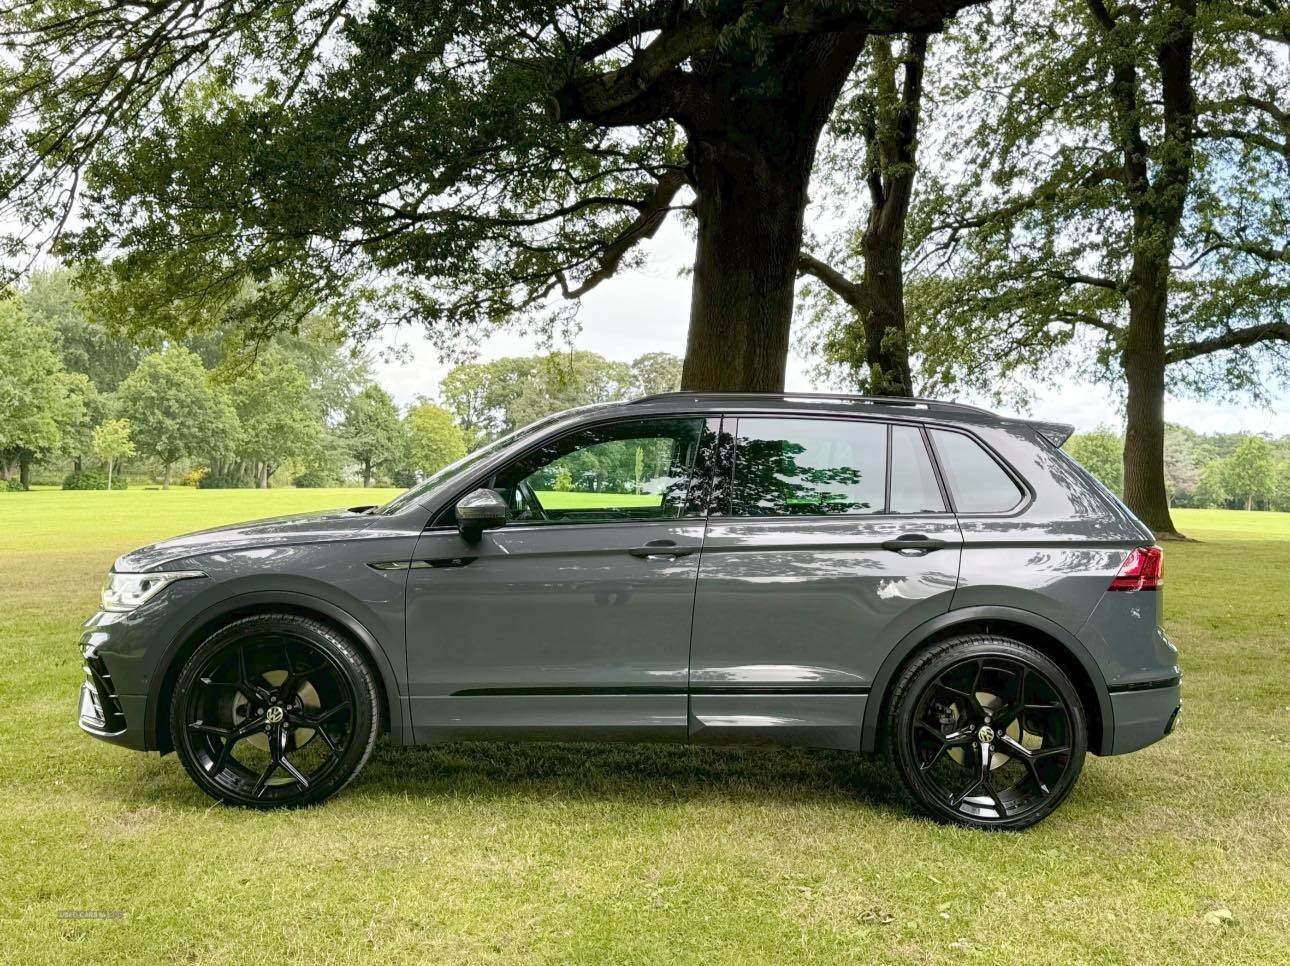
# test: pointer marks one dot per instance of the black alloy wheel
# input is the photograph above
(274, 710)
(987, 732)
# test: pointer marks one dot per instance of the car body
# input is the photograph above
(769, 572)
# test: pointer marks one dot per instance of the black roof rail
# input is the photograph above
(839, 396)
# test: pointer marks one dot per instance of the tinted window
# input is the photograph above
(809, 466)
(913, 481)
(977, 483)
(637, 470)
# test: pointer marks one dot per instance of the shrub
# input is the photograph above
(228, 480)
(314, 479)
(194, 477)
(85, 480)
(13, 486)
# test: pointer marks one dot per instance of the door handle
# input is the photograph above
(913, 544)
(657, 549)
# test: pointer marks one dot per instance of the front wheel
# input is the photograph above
(274, 711)
(987, 732)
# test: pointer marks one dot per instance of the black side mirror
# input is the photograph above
(480, 510)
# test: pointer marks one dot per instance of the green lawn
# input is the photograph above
(624, 854)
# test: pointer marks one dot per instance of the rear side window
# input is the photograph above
(977, 483)
(816, 467)
(786, 467)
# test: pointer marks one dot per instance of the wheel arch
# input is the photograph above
(210, 620)
(1029, 628)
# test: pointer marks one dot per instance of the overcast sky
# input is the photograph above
(648, 310)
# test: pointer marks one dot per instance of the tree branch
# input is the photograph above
(850, 292)
(1231, 339)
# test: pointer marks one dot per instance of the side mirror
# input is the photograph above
(480, 510)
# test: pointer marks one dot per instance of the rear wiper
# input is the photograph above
(370, 508)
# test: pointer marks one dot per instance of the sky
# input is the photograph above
(648, 309)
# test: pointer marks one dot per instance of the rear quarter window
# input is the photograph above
(976, 481)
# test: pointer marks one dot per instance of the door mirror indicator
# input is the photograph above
(480, 510)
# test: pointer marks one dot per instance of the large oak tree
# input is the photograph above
(451, 164)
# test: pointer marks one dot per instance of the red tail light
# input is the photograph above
(1143, 569)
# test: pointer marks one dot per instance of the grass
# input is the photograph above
(629, 854)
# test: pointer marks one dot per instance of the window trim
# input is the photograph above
(444, 517)
(1027, 493)
(884, 514)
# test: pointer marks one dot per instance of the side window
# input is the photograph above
(637, 470)
(785, 467)
(977, 483)
(913, 481)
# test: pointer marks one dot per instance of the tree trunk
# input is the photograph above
(1144, 438)
(367, 475)
(750, 155)
(109, 468)
(165, 477)
(24, 471)
(886, 348)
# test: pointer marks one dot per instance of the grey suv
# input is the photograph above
(924, 580)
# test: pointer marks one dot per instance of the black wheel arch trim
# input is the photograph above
(263, 602)
(966, 616)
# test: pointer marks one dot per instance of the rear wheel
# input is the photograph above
(987, 732)
(274, 710)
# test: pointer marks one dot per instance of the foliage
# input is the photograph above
(314, 479)
(490, 399)
(433, 439)
(12, 486)
(87, 344)
(174, 411)
(39, 402)
(372, 431)
(1211, 488)
(92, 480)
(1249, 474)
(194, 476)
(111, 442)
(278, 413)
(1101, 452)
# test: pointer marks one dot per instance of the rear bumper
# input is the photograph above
(1144, 714)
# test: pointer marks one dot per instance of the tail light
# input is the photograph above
(1143, 569)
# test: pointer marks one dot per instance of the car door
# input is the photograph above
(573, 619)
(835, 541)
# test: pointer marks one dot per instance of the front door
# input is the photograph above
(573, 620)
(834, 542)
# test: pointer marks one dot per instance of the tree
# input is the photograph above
(482, 158)
(1249, 474)
(279, 416)
(434, 440)
(1211, 489)
(655, 372)
(51, 299)
(1121, 191)
(882, 113)
(174, 411)
(1101, 453)
(111, 442)
(490, 399)
(372, 431)
(1281, 490)
(39, 402)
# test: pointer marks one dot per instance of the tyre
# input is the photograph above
(987, 732)
(274, 711)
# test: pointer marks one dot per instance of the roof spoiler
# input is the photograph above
(1055, 433)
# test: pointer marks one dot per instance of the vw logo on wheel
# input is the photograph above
(273, 715)
(985, 735)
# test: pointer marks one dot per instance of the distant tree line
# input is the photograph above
(1227, 470)
(84, 403)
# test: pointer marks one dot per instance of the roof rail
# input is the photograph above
(840, 396)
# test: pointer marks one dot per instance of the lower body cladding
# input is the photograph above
(730, 716)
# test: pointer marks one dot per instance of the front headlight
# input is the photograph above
(125, 592)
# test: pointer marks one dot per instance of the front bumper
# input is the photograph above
(1144, 714)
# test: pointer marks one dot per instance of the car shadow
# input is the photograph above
(647, 773)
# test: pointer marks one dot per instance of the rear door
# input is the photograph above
(833, 541)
